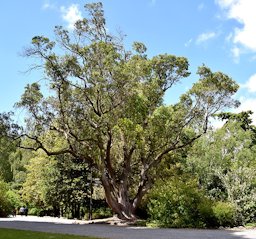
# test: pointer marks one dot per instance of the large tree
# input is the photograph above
(107, 106)
(8, 130)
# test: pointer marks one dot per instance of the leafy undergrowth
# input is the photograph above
(20, 234)
(251, 225)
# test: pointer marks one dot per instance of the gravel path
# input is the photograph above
(65, 226)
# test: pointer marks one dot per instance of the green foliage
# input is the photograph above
(244, 120)
(139, 47)
(56, 183)
(106, 106)
(179, 203)
(31, 96)
(99, 213)
(7, 130)
(35, 187)
(35, 211)
(5, 164)
(7, 127)
(14, 198)
(251, 225)
(225, 161)
(225, 213)
(5, 204)
(68, 187)
(19, 160)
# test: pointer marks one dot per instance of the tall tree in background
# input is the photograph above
(107, 106)
(225, 162)
(8, 130)
(56, 184)
(243, 119)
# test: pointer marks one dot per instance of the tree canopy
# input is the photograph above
(106, 106)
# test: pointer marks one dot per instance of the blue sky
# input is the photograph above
(219, 33)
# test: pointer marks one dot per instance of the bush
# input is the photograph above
(14, 198)
(99, 213)
(246, 208)
(179, 203)
(205, 208)
(225, 213)
(35, 211)
(5, 204)
(102, 213)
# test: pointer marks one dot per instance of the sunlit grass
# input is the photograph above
(20, 234)
(251, 225)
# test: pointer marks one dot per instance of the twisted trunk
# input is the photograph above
(117, 197)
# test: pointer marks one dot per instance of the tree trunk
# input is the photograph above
(117, 191)
(119, 201)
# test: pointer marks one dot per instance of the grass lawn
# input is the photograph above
(20, 234)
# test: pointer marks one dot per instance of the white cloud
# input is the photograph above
(200, 7)
(229, 37)
(243, 11)
(188, 43)
(226, 3)
(152, 3)
(48, 5)
(246, 104)
(253, 58)
(250, 85)
(71, 14)
(205, 37)
(236, 51)
(217, 123)
(249, 103)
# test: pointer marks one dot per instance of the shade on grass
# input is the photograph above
(20, 234)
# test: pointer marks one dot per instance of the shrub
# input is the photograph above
(246, 207)
(102, 213)
(5, 204)
(179, 203)
(35, 211)
(14, 198)
(99, 213)
(225, 213)
(205, 208)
